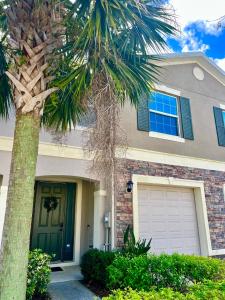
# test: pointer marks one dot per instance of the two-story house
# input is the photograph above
(175, 159)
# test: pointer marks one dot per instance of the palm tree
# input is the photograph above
(95, 42)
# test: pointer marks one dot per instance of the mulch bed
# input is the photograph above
(96, 289)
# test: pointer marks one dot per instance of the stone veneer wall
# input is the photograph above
(213, 182)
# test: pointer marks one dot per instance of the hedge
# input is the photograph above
(94, 264)
(203, 291)
(164, 271)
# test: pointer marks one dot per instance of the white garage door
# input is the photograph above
(168, 215)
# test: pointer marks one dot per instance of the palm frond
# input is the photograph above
(118, 34)
(114, 37)
(5, 88)
(64, 108)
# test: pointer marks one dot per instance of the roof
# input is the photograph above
(194, 57)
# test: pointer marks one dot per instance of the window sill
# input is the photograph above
(166, 137)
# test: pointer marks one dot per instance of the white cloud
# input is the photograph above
(220, 63)
(212, 28)
(190, 42)
(189, 11)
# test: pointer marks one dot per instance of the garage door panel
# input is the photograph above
(175, 246)
(168, 215)
(153, 228)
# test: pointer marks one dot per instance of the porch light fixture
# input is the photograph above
(130, 186)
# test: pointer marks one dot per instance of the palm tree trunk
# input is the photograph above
(18, 217)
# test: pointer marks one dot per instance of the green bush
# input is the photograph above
(209, 290)
(172, 271)
(202, 291)
(94, 264)
(38, 275)
(129, 272)
(132, 247)
(129, 294)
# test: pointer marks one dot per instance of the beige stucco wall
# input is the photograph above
(87, 216)
(203, 96)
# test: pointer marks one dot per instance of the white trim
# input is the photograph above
(175, 94)
(50, 149)
(222, 106)
(218, 252)
(173, 159)
(168, 137)
(166, 89)
(99, 210)
(131, 153)
(198, 186)
(163, 113)
(77, 223)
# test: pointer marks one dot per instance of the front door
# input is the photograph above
(53, 215)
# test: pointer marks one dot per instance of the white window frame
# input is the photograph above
(161, 135)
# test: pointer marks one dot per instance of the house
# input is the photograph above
(175, 159)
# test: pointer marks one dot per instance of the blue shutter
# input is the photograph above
(220, 128)
(143, 115)
(186, 120)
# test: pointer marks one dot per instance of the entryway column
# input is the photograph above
(99, 211)
(3, 198)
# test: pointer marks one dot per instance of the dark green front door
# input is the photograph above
(53, 219)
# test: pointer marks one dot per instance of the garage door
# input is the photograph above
(168, 215)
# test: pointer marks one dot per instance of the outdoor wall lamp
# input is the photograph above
(130, 186)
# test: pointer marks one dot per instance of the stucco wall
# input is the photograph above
(50, 166)
(203, 96)
(87, 216)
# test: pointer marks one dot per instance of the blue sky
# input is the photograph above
(199, 30)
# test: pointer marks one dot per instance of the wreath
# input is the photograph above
(50, 203)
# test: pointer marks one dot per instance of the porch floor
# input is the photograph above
(65, 285)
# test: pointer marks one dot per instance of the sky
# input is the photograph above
(200, 29)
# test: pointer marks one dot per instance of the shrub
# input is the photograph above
(94, 264)
(172, 271)
(129, 272)
(165, 294)
(132, 247)
(38, 275)
(208, 290)
(179, 271)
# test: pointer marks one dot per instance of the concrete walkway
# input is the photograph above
(65, 285)
(70, 290)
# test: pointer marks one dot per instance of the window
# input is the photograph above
(164, 114)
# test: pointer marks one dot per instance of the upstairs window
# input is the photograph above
(164, 116)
